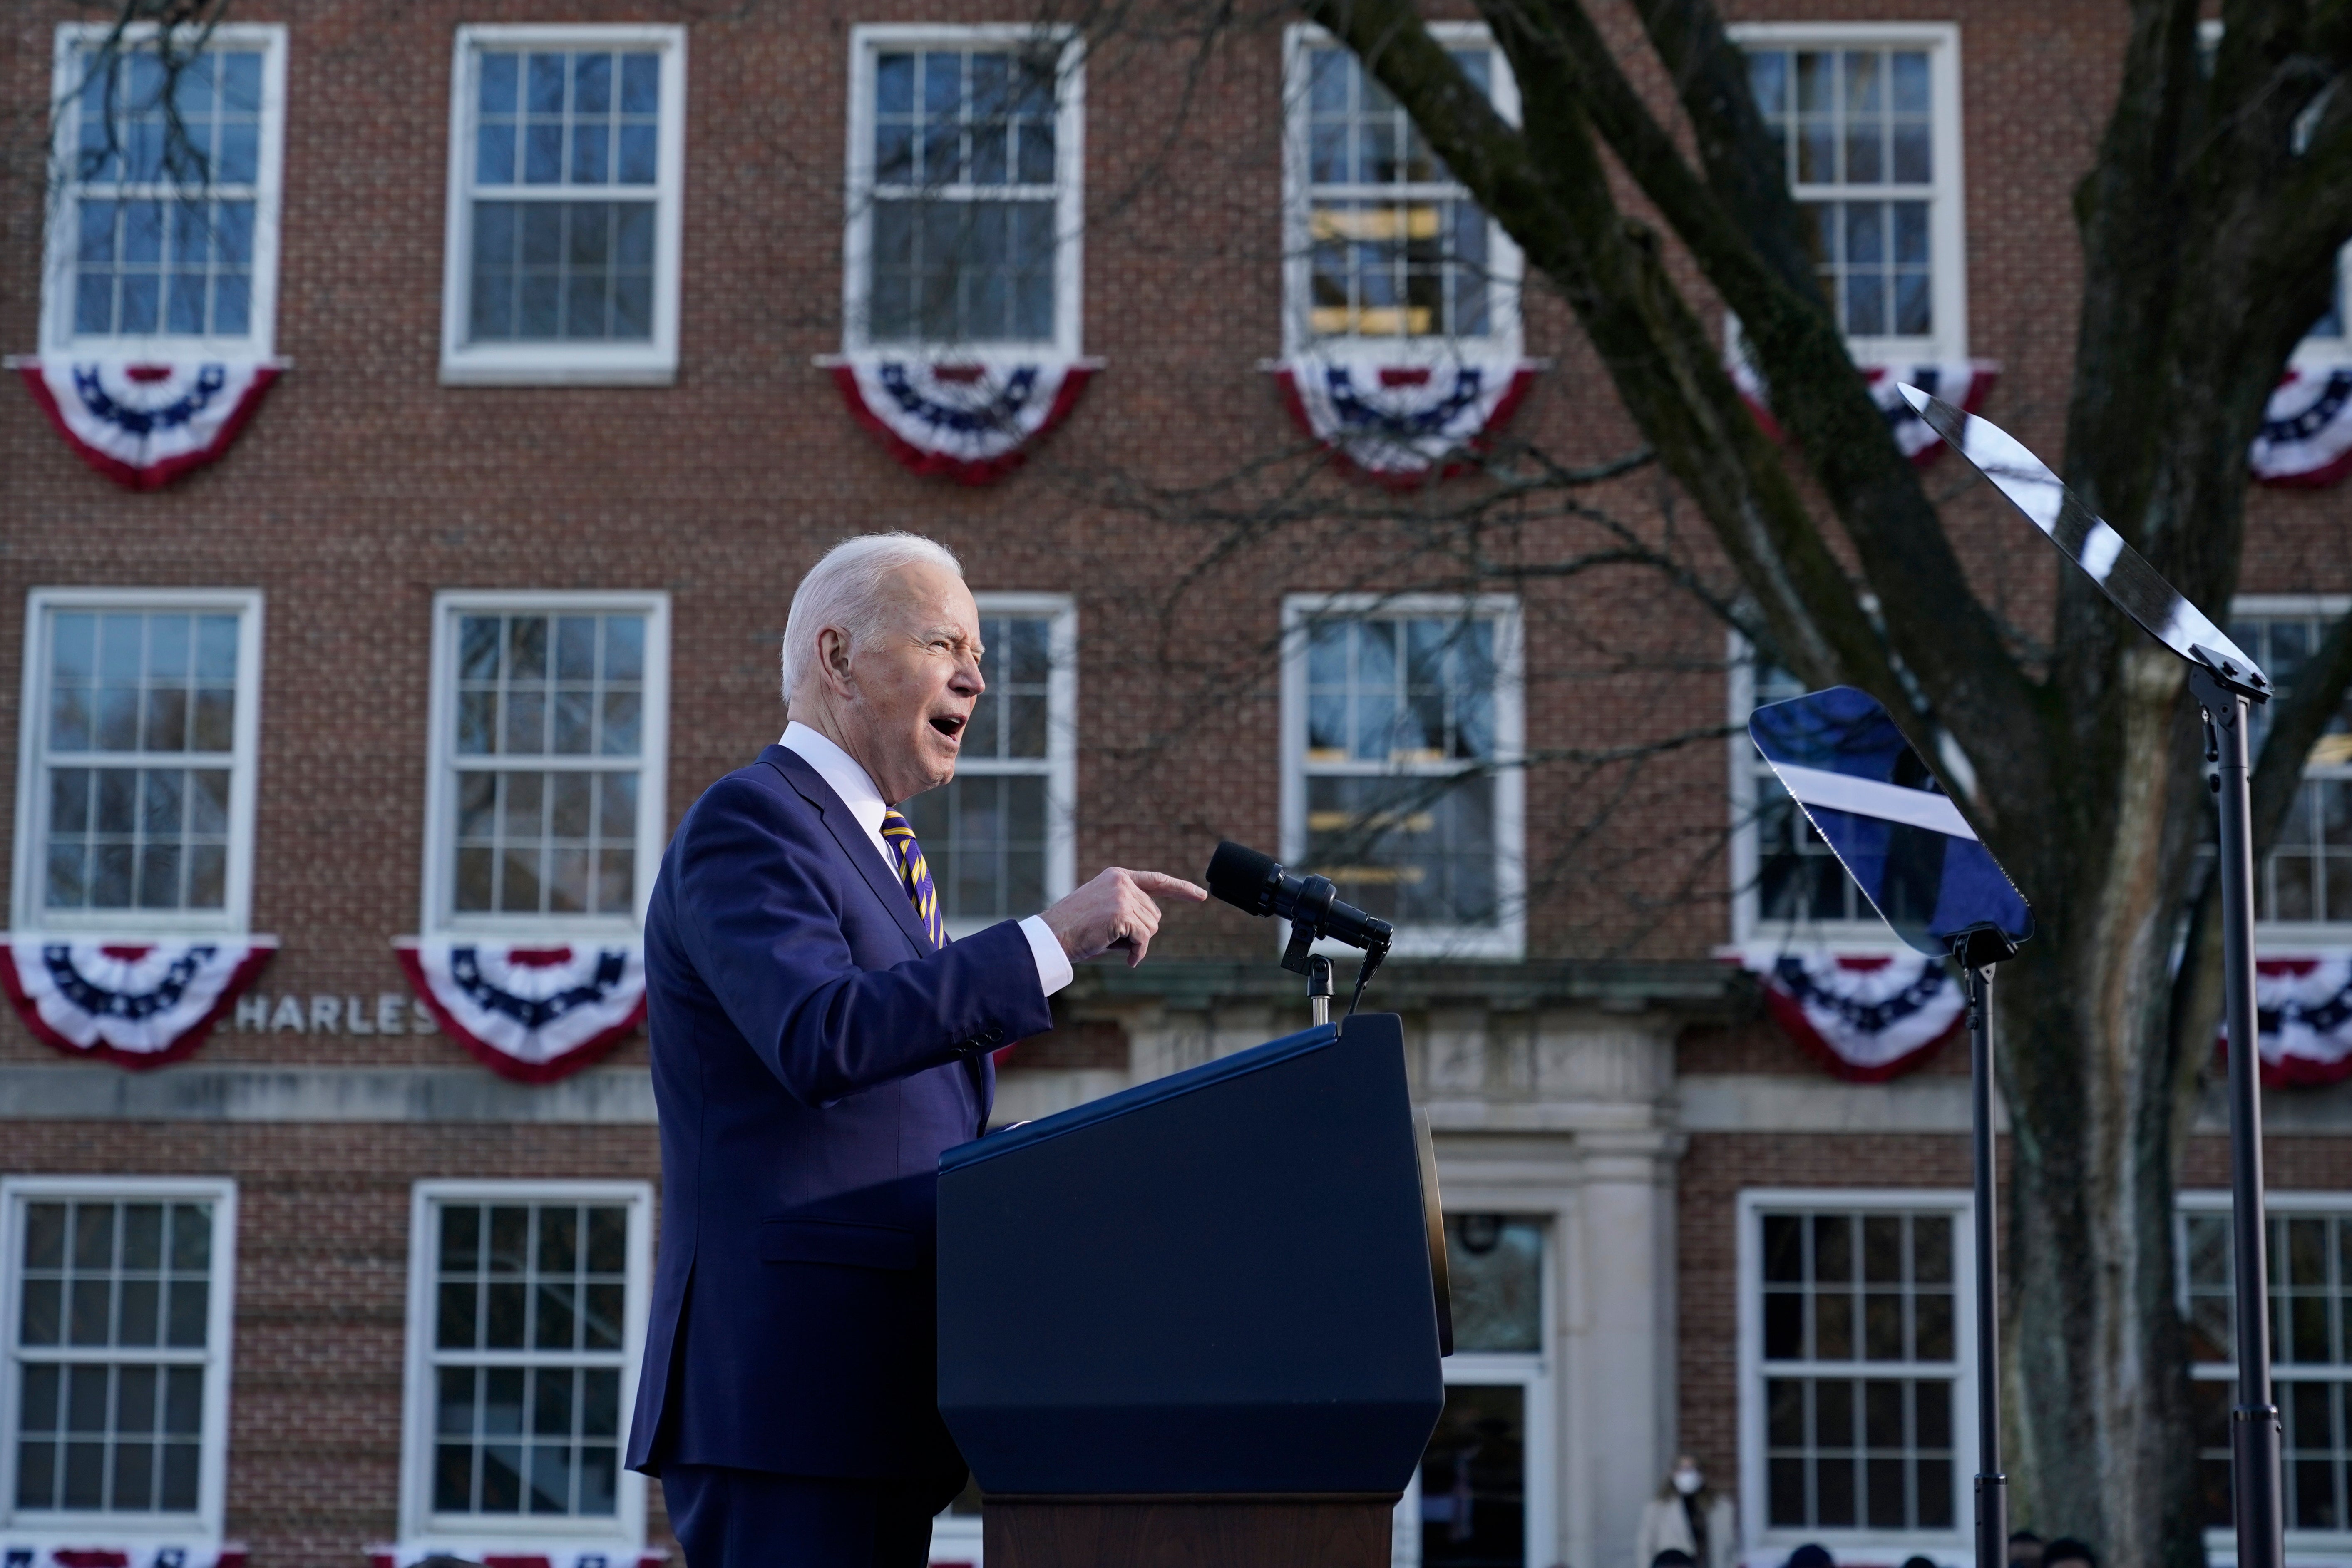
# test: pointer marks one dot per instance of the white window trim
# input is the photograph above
(1948, 224)
(1752, 935)
(44, 1527)
(417, 1520)
(2288, 936)
(1506, 267)
(437, 915)
(1060, 742)
(563, 363)
(57, 335)
(1757, 1539)
(2222, 1542)
(1508, 938)
(235, 915)
(869, 39)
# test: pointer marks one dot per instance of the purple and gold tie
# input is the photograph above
(914, 874)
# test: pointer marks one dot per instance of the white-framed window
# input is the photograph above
(1001, 836)
(164, 188)
(1786, 884)
(1485, 1491)
(1869, 117)
(2303, 886)
(567, 174)
(966, 189)
(550, 743)
(1384, 253)
(114, 1381)
(1856, 1351)
(2311, 1356)
(1402, 733)
(2329, 341)
(136, 760)
(526, 1305)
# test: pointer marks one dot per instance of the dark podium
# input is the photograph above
(1198, 1322)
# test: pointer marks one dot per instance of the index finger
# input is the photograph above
(1168, 886)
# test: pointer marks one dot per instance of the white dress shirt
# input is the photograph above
(856, 787)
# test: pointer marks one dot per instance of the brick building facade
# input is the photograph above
(638, 430)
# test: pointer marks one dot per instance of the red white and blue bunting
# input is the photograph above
(2302, 1020)
(973, 420)
(517, 1555)
(212, 1555)
(1402, 424)
(134, 1004)
(528, 1010)
(144, 425)
(1965, 383)
(1866, 1018)
(2305, 440)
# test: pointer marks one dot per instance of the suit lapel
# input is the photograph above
(854, 845)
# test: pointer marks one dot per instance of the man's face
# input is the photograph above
(913, 682)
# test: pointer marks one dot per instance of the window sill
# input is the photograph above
(521, 370)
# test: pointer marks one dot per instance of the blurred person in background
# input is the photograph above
(1687, 1516)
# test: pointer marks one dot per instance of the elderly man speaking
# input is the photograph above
(818, 1041)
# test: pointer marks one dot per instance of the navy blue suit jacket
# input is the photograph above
(811, 1057)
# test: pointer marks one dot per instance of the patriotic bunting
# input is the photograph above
(1866, 1018)
(137, 1004)
(2305, 440)
(516, 1554)
(971, 420)
(2302, 1020)
(1402, 425)
(217, 1554)
(1964, 384)
(143, 426)
(530, 1011)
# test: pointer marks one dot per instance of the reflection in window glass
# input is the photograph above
(1474, 1479)
(1860, 1344)
(1397, 248)
(962, 242)
(2306, 877)
(1857, 131)
(548, 127)
(137, 756)
(165, 176)
(1494, 1266)
(549, 738)
(2311, 1359)
(113, 1314)
(1400, 726)
(528, 1319)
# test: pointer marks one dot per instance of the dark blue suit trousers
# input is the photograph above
(812, 1055)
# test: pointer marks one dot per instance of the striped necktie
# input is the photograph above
(914, 874)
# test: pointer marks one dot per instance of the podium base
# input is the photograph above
(1210, 1529)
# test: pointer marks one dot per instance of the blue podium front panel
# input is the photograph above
(1217, 1282)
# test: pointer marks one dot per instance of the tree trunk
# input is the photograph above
(2098, 1388)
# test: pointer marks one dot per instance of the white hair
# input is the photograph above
(845, 589)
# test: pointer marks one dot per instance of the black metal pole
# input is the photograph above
(2255, 1433)
(1993, 1486)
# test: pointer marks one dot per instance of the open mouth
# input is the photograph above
(949, 724)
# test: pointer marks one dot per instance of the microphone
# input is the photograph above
(1251, 881)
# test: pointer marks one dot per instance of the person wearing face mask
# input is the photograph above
(1687, 1516)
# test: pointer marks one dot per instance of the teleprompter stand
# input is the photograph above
(1976, 952)
(1199, 1324)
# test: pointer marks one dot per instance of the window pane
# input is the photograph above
(537, 1438)
(1495, 1265)
(1474, 1480)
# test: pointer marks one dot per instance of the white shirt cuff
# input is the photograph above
(1054, 970)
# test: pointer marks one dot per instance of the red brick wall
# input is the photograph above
(322, 1296)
